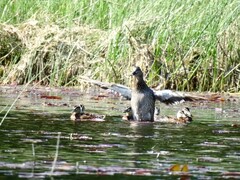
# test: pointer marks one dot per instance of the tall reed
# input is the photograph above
(184, 45)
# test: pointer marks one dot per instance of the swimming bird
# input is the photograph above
(142, 97)
(129, 114)
(183, 116)
(78, 114)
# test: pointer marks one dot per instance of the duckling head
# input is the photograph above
(79, 109)
(128, 110)
(184, 114)
(137, 73)
(128, 114)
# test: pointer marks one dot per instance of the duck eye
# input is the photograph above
(134, 73)
(137, 71)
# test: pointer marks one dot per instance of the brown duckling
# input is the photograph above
(183, 116)
(78, 114)
(129, 114)
(143, 98)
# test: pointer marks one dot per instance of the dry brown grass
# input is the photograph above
(50, 54)
(47, 51)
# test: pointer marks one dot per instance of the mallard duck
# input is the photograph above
(143, 98)
(183, 116)
(165, 96)
(129, 115)
(78, 114)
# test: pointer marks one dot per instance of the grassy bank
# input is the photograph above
(184, 45)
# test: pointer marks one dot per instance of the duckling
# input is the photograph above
(183, 116)
(129, 114)
(143, 98)
(78, 114)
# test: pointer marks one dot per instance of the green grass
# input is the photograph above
(185, 45)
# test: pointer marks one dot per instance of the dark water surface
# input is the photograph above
(114, 149)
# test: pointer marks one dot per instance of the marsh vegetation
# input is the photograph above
(184, 45)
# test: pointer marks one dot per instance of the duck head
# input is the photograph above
(79, 109)
(184, 113)
(137, 73)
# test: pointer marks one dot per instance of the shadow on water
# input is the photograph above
(209, 146)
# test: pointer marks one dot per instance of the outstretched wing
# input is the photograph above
(172, 97)
(165, 96)
(121, 89)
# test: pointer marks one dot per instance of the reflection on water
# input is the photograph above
(209, 146)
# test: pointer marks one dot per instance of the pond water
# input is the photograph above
(38, 140)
